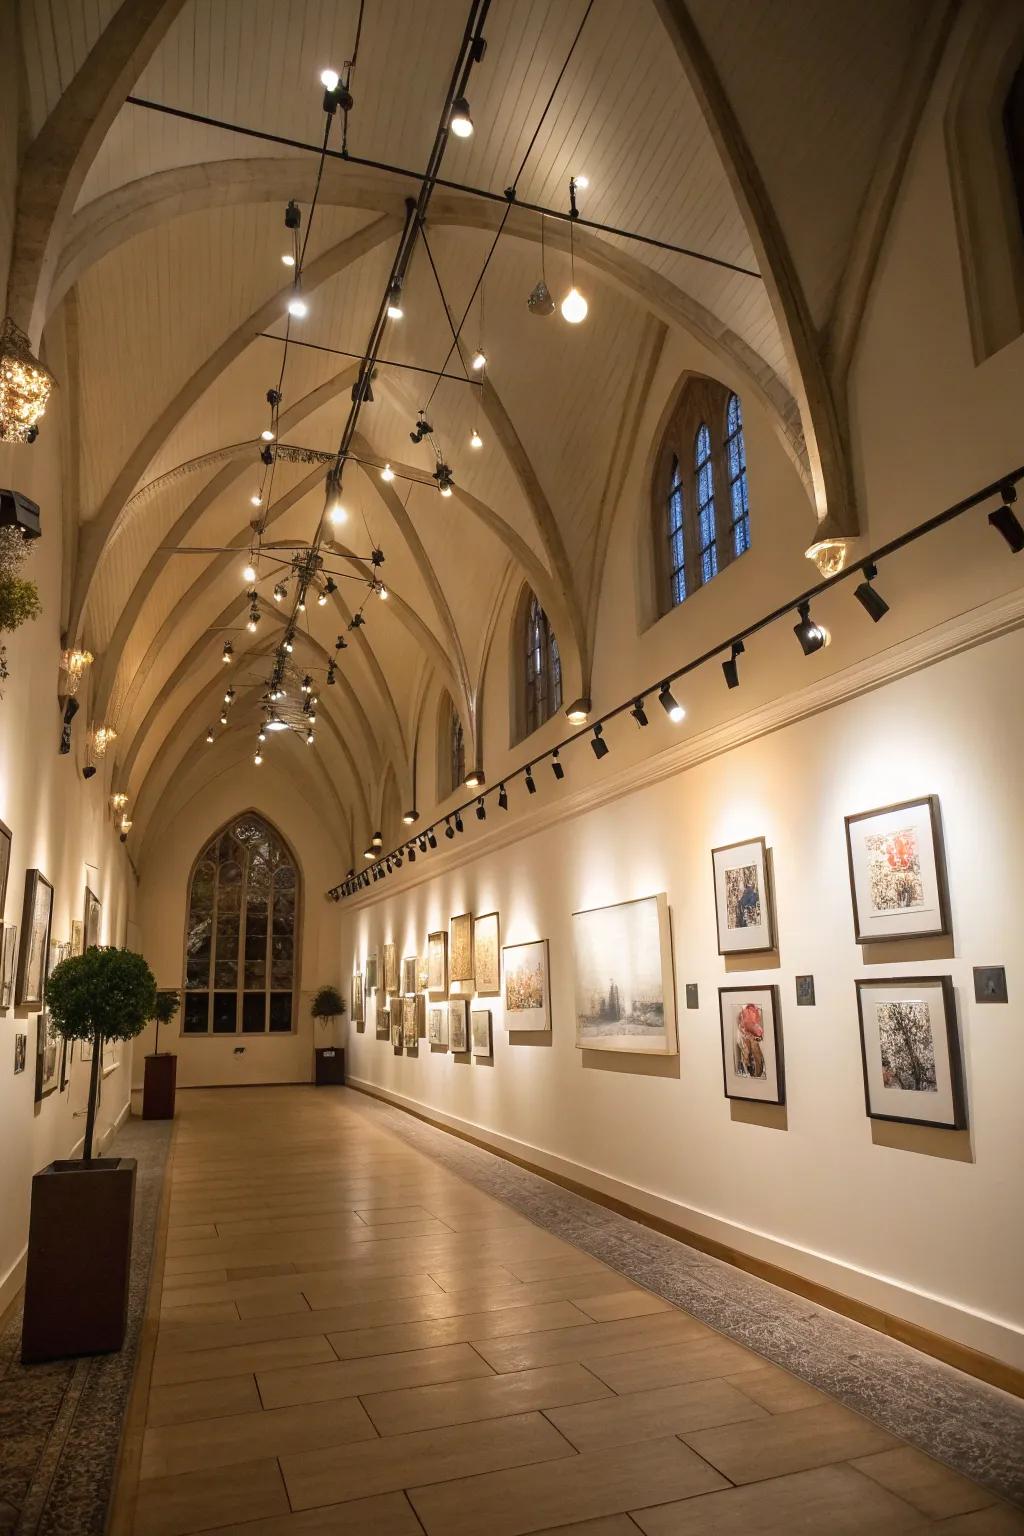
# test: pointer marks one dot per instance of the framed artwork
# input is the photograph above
(410, 1032)
(437, 963)
(743, 898)
(898, 872)
(421, 973)
(35, 940)
(77, 936)
(752, 1044)
(390, 969)
(624, 986)
(408, 975)
(48, 1053)
(93, 910)
(358, 1016)
(383, 1023)
(60, 949)
(20, 1053)
(437, 1026)
(460, 949)
(10, 948)
(396, 1033)
(487, 955)
(6, 838)
(370, 983)
(480, 1027)
(805, 991)
(85, 1050)
(527, 1000)
(910, 1050)
(458, 1024)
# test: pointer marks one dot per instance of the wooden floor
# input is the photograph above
(353, 1339)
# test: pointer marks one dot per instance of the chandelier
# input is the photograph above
(24, 386)
(74, 665)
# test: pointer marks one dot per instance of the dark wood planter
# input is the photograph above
(330, 1066)
(79, 1259)
(158, 1087)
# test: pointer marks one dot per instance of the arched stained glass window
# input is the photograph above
(543, 667)
(676, 536)
(456, 751)
(704, 478)
(241, 934)
(736, 469)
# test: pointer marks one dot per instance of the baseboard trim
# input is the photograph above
(951, 1351)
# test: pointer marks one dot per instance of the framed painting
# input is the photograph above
(422, 968)
(437, 1026)
(910, 1051)
(7, 958)
(480, 1031)
(37, 913)
(370, 982)
(6, 838)
(487, 955)
(743, 898)
(20, 1053)
(358, 1015)
(408, 975)
(93, 912)
(383, 1022)
(458, 1023)
(77, 936)
(437, 963)
(48, 1053)
(410, 1031)
(460, 948)
(752, 1044)
(624, 985)
(898, 872)
(390, 969)
(396, 1033)
(527, 1000)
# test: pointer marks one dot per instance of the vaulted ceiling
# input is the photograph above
(153, 245)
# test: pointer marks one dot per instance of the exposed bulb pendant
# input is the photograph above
(461, 123)
(574, 306)
(387, 474)
(249, 572)
(256, 499)
(395, 310)
(337, 514)
(475, 440)
(298, 308)
(479, 361)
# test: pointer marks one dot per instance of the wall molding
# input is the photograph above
(881, 1305)
(975, 626)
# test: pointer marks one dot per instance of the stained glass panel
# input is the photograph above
(736, 465)
(705, 485)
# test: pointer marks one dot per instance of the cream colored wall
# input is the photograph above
(181, 830)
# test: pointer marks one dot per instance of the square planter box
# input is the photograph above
(79, 1259)
(330, 1066)
(158, 1086)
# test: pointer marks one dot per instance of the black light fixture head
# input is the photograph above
(377, 840)
(730, 668)
(267, 454)
(293, 216)
(1005, 521)
(410, 816)
(432, 838)
(411, 851)
(669, 703)
(873, 603)
(376, 557)
(274, 397)
(530, 785)
(811, 636)
(638, 712)
(556, 765)
(449, 830)
(474, 778)
(460, 122)
(423, 843)
(89, 771)
(599, 746)
(481, 810)
(458, 822)
(502, 798)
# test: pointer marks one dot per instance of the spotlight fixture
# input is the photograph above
(274, 722)
(292, 216)
(261, 737)
(252, 621)
(411, 854)
(582, 183)
(1006, 521)
(475, 440)
(599, 746)
(309, 738)
(209, 734)
(227, 652)
(387, 474)
(578, 710)
(431, 838)
(289, 643)
(422, 843)
(298, 308)
(458, 821)
(670, 705)
(449, 830)
(395, 310)
(411, 816)
(337, 514)
(556, 765)
(266, 454)
(307, 684)
(811, 636)
(321, 599)
(502, 798)
(873, 603)
(474, 778)
(229, 696)
(479, 361)
(329, 79)
(89, 771)
(530, 785)
(331, 674)
(368, 853)
(638, 712)
(119, 800)
(461, 123)
(730, 668)
(377, 839)
(382, 592)
(443, 476)
(481, 810)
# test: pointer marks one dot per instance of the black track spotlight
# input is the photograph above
(556, 765)
(874, 605)
(530, 785)
(638, 712)
(1006, 521)
(292, 216)
(449, 830)
(730, 668)
(458, 822)
(668, 702)
(481, 810)
(460, 121)
(599, 746)
(502, 798)
(422, 843)
(377, 840)
(411, 851)
(432, 838)
(89, 771)
(811, 636)
(410, 816)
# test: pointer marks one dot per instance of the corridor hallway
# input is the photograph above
(353, 1338)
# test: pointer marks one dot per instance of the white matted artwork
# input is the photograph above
(898, 872)
(910, 1049)
(408, 975)
(480, 1031)
(743, 898)
(624, 985)
(437, 963)
(527, 998)
(487, 955)
(410, 1029)
(437, 1026)
(458, 1023)
(752, 1044)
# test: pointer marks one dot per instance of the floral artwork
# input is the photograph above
(897, 872)
(752, 1043)
(907, 1046)
(749, 1035)
(894, 870)
(742, 897)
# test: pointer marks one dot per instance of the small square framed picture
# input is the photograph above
(898, 872)
(743, 898)
(752, 1044)
(437, 1026)
(910, 1050)
(458, 1024)
(480, 1026)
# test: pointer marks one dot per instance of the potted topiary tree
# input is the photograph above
(161, 1066)
(328, 1004)
(80, 1229)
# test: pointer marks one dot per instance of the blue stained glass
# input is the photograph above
(705, 504)
(739, 497)
(676, 541)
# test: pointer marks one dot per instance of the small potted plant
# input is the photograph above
(80, 1229)
(161, 1066)
(328, 1004)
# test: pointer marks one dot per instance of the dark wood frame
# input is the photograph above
(780, 1065)
(6, 841)
(90, 896)
(441, 934)
(941, 879)
(442, 1009)
(769, 891)
(487, 991)
(956, 1066)
(489, 1053)
(461, 917)
(33, 878)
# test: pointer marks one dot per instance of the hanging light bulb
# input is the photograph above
(395, 310)
(227, 652)
(261, 737)
(574, 307)
(302, 602)
(310, 738)
(258, 757)
(209, 734)
(475, 440)
(387, 473)
(256, 500)
(289, 644)
(267, 435)
(321, 599)
(337, 514)
(252, 621)
(280, 592)
(461, 123)
(223, 717)
(479, 360)
(382, 593)
(249, 573)
(329, 79)
(288, 259)
(298, 308)
(582, 182)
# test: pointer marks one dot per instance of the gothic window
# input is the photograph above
(676, 544)
(736, 469)
(704, 484)
(542, 667)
